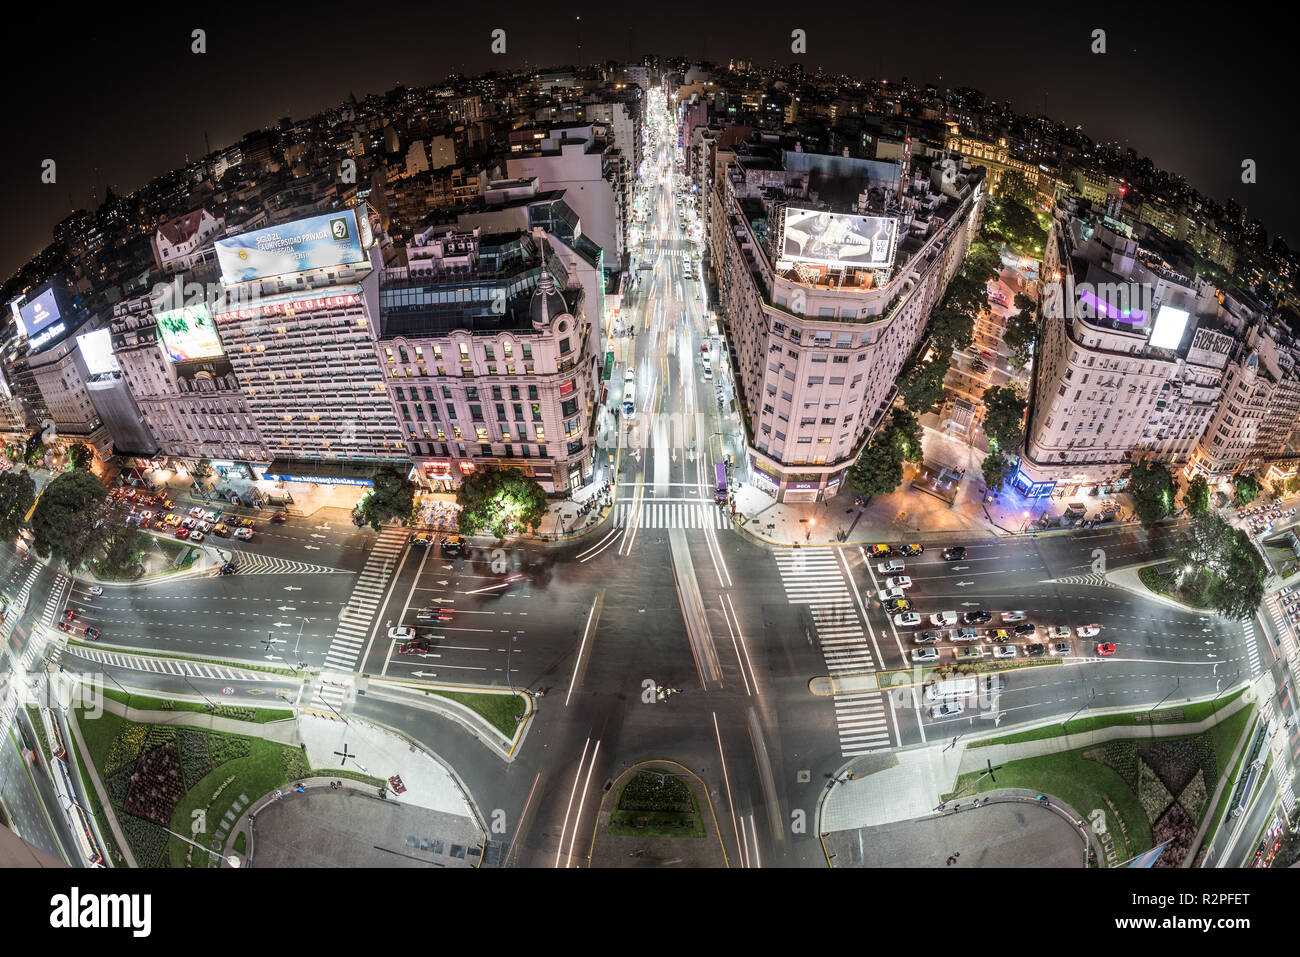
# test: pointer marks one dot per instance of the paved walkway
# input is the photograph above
(101, 792)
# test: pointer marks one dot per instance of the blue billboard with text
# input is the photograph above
(315, 243)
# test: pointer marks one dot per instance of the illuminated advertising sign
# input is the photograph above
(189, 333)
(837, 239)
(315, 243)
(318, 479)
(289, 307)
(1168, 330)
(39, 313)
(97, 352)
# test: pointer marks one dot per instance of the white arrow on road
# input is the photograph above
(960, 568)
(312, 548)
(282, 624)
(319, 536)
(287, 608)
(291, 588)
(424, 674)
(970, 604)
(323, 525)
(444, 582)
(964, 584)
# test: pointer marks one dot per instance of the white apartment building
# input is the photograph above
(817, 341)
(190, 400)
(182, 243)
(489, 358)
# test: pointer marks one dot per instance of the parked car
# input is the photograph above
(969, 651)
(1004, 651)
(1034, 650)
(909, 551)
(1088, 631)
(947, 709)
(908, 619)
(875, 551)
(1058, 631)
(196, 536)
(1061, 649)
(1106, 649)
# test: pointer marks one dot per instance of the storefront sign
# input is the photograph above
(804, 485)
(318, 479)
(289, 308)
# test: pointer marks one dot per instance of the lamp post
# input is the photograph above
(811, 523)
(1151, 713)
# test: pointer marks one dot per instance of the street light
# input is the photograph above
(811, 523)
(1151, 713)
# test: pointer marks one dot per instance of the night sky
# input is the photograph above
(120, 99)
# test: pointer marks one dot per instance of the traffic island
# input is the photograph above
(657, 814)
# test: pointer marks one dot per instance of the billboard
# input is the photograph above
(39, 313)
(837, 239)
(189, 333)
(1168, 330)
(315, 243)
(97, 352)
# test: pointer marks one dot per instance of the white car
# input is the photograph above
(891, 567)
(97, 590)
(196, 536)
(902, 581)
(1013, 616)
(196, 512)
(401, 634)
(1058, 631)
(245, 534)
(907, 619)
(925, 654)
(949, 709)
(1004, 651)
(944, 619)
(1060, 649)
(888, 593)
(1089, 631)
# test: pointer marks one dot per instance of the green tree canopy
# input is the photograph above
(1004, 414)
(82, 455)
(1246, 488)
(17, 493)
(1196, 497)
(392, 497)
(879, 468)
(1152, 489)
(1014, 188)
(1220, 564)
(997, 469)
(70, 521)
(503, 501)
(920, 385)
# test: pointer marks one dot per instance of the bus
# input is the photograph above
(720, 482)
(629, 398)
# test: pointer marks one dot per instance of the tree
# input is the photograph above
(82, 455)
(997, 469)
(1014, 188)
(1196, 497)
(1218, 565)
(35, 449)
(17, 493)
(123, 547)
(70, 522)
(1152, 489)
(920, 385)
(500, 500)
(392, 497)
(1293, 483)
(202, 469)
(905, 435)
(1004, 416)
(879, 468)
(1246, 488)
(951, 329)
(1022, 329)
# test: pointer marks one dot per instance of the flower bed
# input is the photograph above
(1151, 791)
(1179, 830)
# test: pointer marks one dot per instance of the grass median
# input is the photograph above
(141, 702)
(498, 710)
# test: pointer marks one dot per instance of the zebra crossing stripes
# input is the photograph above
(169, 666)
(816, 579)
(1281, 625)
(53, 602)
(862, 723)
(671, 515)
(1096, 579)
(358, 614)
(255, 563)
(1252, 649)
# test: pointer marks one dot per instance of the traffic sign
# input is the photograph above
(227, 690)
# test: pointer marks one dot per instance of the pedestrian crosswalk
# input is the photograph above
(816, 579)
(1252, 649)
(330, 694)
(1281, 626)
(255, 563)
(168, 666)
(670, 515)
(54, 601)
(357, 616)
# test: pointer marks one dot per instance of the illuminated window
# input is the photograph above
(541, 433)
(464, 352)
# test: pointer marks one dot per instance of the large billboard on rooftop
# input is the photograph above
(837, 239)
(189, 334)
(314, 243)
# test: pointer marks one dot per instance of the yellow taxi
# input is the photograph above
(173, 519)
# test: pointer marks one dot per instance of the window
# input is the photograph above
(842, 360)
(501, 412)
(536, 410)
(564, 346)
(819, 357)
(489, 354)
(464, 352)
(519, 411)
(806, 420)
(844, 340)
(830, 421)
(528, 350)
(532, 392)
(815, 380)
(476, 413)
(471, 393)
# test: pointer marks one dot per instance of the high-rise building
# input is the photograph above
(826, 279)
